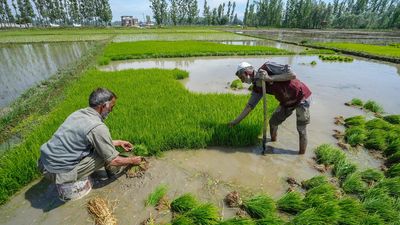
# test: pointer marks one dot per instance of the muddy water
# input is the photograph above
(25, 65)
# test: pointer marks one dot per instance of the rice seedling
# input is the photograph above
(237, 84)
(291, 202)
(371, 175)
(353, 184)
(260, 206)
(343, 168)
(377, 124)
(356, 102)
(205, 214)
(376, 140)
(184, 203)
(140, 149)
(308, 216)
(339, 58)
(182, 220)
(393, 119)
(355, 121)
(377, 201)
(393, 171)
(372, 219)
(314, 182)
(393, 159)
(326, 213)
(392, 185)
(316, 51)
(155, 196)
(320, 195)
(327, 154)
(352, 211)
(355, 135)
(238, 221)
(392, 148)
(373, 107)
(271, 220)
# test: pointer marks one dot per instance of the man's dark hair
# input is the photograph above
(100, 96)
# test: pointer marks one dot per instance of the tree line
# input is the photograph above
(63, 12)
(319, 14)
(186, 12)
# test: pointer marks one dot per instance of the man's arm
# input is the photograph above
(289, 75)
(251, 104)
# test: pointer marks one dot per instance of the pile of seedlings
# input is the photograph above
(339, 58)
(236, 84)
(369, 106)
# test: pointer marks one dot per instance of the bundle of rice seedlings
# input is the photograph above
(271, 220)
(238, 221)
(155, 197)
(309, 216)
(373, 107)
(326, 213)
(393, 159)
(327, 154)
(377, 123)
(376, 140)
(394, 171)
(392, 148)
(291, 202)
(377, 201)
(314, 182)
(372, 219)
(100, 212)
(355, 135)
(393, 135)
(140, 150)
(260, 206)
(393, 119)
(371, 175)
(343, 168)
(205, 214)
(320, 195)
(392, 185)
(355, 121)
(351, 211)
(357, 102)
(353, 184)
(184, 203)
(237, 84)
(233, 199)
(182, 220)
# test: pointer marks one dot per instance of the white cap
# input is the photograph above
(242, 65)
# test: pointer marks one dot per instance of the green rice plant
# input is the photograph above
(140, 149)
(378, 124)
(392, 148)
(355, 121)
(357, 102)
(316, 51)
(343, 168)
(238, 221)
(184, 203)
(155, 196)
(271, 220)
(237, 84)
(291, 202)
(355, 135)
(353, 184)
(371, 175)
(327, 154)
(393, 159)
(372, 219)
(319, 195)
(393, 171)
(339, 58)
(260, 206)
(182, 220)
(373, 107)
(376, 140)
(392, 185)
(205, 214)
(162, 49)
(377, 201)
(325, 213)
(393, 119)
(352, 211)
(314, 182)
(103, 61)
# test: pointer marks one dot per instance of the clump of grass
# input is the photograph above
(376, 140)
(339, 58)
(373, 106)
(206, 214)
(156, 195)
(394, 171)
(371, 175)
(372, 219)
(314, 182)
(291, 202)
(392, 148)
(271, 220)
(353, 184)
(313, 63)
(393, 119)
(184, 203)
(377, 124)
(355, 135)
(327, 154)
(356, 102)
(343, 168)
(355, 121)
(237, 84)
(238, 221)
(351, 211)
(377, 201)
(326, 213)
(392, 185)
(260, 206)
(320, 195)
(182, 220)
(140, 149)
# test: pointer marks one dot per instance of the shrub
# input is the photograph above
(291, 202)
(355, 121)
(373, 107)
(353, 184)
(184, 203)
(376, 140)
(343, 168)
(355, 135)
(357, 102)
(327, 154)
(393, 119)
(314, 182)
(156, 195)
(394, 171)
(237, 84)
(260, 206)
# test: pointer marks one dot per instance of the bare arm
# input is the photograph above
(283, 77)
(124, 161)
(241, 116)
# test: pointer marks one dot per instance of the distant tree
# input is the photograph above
(207, 13)
(173, 12)
(159, 8)
(193, 12)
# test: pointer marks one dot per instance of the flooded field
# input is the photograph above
(220, 36)
(26, 65)
(298, 35)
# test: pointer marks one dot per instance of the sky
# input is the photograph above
(140, 9)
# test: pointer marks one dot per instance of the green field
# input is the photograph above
(387, 51)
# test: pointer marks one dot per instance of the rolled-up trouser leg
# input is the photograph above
(277, 118)
(303, 118)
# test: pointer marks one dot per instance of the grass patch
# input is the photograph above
(377, 123)
(291, 202)
(389, 51)
(355, 121)
(206, 214)
(355, 135)
(377, 201)
(338, 58)
(353, 184)
(238, 221)
(376, 140)
(156, 195)
(320, 195)
(272, 220)
(393, 119)
(260, 206)
(328, 213)
(315, 51)
(343, 168)
(184, 203)
(314, 182)
(395, 158)
(237, 84)
(357, 102)
(371, 175)
(158, 49)
(351, 210)
(327, 154)
(373, 106)
(394, 171)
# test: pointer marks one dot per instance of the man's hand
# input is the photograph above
(124, 144)
(136, 160)
(263, 75)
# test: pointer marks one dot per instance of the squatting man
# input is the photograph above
(83, 145)
(291, 93)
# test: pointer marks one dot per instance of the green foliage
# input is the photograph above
(314, 182)
(320, 195)
(157, 49)
(377, 124)
(376, 140)
(238, 221)
(343, 168)
(357, 102)
(392, 185)
(184, 203)
(377, 201)
(371, 175)
(394, 171)
(339, 58)
(260, 206)
(327, 154)
(392, 148)
(366, 49)
(182, 220)
(373, 106)
(103, 61)
(355, 121)
(326, 213)
(291, 202)
(271, 220)
(237, 84)
(155, 196)
(353, 184)
(316, 51)
(393, 119)
(140, 149)
(372, 219)
(355, 135)
(352, 211)
(205, 214)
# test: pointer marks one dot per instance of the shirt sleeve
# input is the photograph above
(254, 99)
(100, 138)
